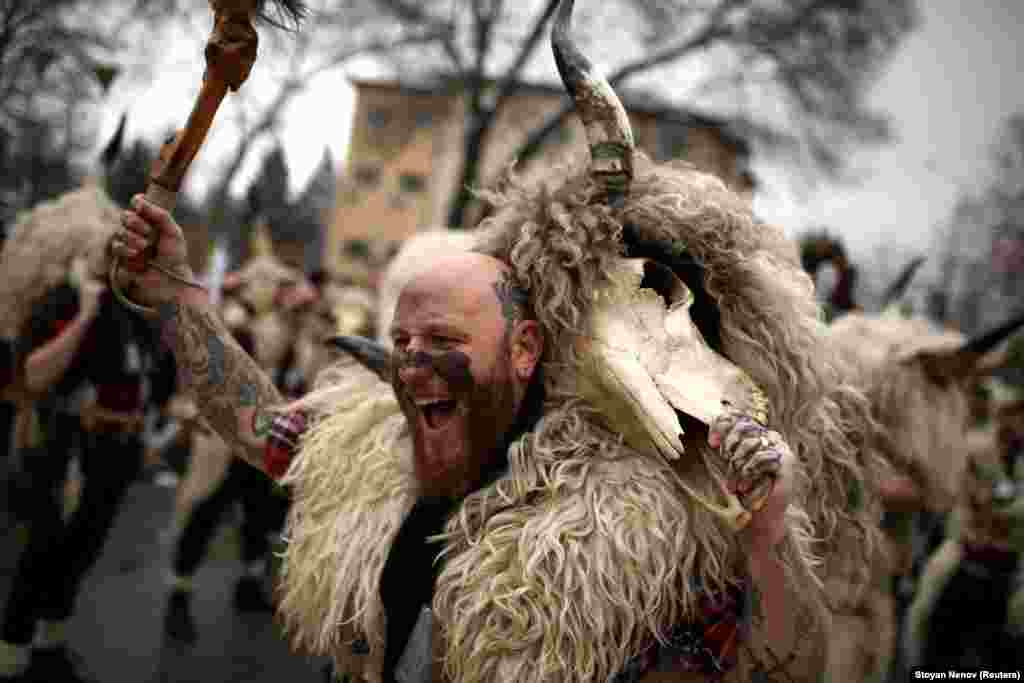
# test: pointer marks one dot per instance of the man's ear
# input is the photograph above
(527, 348)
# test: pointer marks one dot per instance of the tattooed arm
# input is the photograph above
(233, 394)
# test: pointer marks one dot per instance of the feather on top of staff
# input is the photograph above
(284, 14)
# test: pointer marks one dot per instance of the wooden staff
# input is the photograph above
(230, 53)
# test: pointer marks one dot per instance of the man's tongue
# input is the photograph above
(437, 414)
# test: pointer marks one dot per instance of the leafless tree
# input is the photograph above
(981, 248)
(790, 73)
(53, 64)
(331, 34)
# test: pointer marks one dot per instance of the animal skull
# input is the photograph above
(647, 360)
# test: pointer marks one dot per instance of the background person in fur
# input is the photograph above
(88, 403)
(262, 304)
(589, 456)
(969, 609)
(919, 379)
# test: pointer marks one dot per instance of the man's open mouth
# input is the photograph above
(437, 413)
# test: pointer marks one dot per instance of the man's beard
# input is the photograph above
(464, 453)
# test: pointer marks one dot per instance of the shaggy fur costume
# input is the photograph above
(568, 566)
(920, 434)
(943, 564)
(44, 241)
(923, 425)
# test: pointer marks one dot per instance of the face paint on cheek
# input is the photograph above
(453, 367)
(416, 359)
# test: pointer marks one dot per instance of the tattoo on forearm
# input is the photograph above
(261, 423)
(218, 361)
(223, 378)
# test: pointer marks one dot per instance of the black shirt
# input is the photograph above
(410, 573)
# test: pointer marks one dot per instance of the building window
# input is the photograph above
(673, 141)
(356, 249)
(349, 196)
(378, 118)
(398, 200)
(367, 176)
(564, 135)
(424, 118)
(412, 183)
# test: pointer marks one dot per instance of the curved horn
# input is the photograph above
(604, 118)
(970, 358)
(370, 354)
(899, 286)
(113, 148)
(989, 340)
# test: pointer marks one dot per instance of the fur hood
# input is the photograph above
(924, 431)
(42, 244)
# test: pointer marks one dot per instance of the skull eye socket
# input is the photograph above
(704, 312)
(685, 280)
(664, 282)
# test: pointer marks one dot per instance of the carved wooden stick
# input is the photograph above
(230, 54)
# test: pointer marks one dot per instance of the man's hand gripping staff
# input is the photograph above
(230, 54)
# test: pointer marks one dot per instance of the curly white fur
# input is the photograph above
(44, 241)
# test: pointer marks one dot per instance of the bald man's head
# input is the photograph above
(465, 352)
(466, 275)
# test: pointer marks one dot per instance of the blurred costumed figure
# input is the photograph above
(969, 610)
(343, 306)
(261, 304)
(81, 359)
(820, 249)
(921, 420)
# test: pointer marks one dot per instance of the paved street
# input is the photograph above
(118, 625)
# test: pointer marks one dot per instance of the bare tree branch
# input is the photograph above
(712, 30)
(270, 115)
(415, 13)
(482, 118)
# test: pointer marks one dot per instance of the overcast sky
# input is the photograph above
(947, 90)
